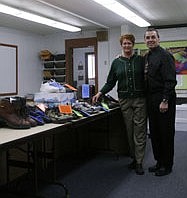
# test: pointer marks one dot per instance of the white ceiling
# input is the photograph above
(88, 15)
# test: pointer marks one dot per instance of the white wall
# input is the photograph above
(56, 42)
(29, 64)
(107, 52)
(103, 62)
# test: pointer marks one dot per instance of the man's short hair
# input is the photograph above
(152, 29)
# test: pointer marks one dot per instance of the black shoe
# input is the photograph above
(163, 171)
(132, 165)
(154, 168)
(139, 169)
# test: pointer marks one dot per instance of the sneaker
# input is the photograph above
(60, 87)
(46, 87)
(132, 165)
(139, 169)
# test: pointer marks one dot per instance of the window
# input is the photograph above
(90, 68)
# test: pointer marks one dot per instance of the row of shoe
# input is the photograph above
(79, 109)
(15, 113)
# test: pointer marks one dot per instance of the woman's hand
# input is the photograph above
(96, 97)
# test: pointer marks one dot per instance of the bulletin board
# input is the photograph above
(8, 69)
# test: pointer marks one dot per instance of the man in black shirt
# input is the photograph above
(160, 77)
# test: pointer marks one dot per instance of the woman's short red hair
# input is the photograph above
(127, 36)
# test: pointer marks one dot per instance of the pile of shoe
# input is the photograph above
(78, 110)
(85, 108)
(38, 115)
(110, 101)
(107, 102)
(14, 114)
(59, 118)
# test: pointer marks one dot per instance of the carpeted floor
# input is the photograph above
(103, 176)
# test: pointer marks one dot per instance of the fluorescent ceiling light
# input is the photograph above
(121, 10)
(38, 19)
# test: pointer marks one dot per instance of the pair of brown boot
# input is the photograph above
(13, 115)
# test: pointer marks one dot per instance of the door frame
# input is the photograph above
(70, 44)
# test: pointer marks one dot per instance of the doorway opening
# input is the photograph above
(73, 44)
(90, 68)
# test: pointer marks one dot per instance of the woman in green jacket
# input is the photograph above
(127, 71)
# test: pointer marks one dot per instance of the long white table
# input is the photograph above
(12, 138)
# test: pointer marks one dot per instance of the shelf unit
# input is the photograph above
(54, 69)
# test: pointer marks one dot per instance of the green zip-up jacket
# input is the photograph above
(129, 75)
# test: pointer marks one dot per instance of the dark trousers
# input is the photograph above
(162, 129)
